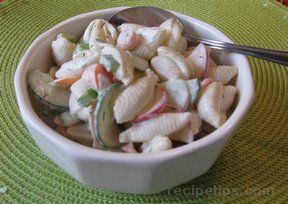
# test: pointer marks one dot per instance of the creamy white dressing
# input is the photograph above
(139, 79)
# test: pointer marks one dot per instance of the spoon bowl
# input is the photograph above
(147, 16)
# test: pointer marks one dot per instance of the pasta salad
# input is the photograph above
(133, 88)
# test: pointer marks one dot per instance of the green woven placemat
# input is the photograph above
(253, 166)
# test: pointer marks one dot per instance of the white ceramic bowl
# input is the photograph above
(122, 172)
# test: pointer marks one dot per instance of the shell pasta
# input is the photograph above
(133, 88)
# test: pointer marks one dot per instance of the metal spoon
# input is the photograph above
(152, 16)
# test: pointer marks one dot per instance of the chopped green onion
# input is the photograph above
(109, 63)
(83, 46)
(88, 98)
(71, 38)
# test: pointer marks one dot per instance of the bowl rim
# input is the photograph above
(80, 151)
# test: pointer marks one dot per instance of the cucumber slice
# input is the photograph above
(102, 122)
(43, 88)
(88, 98)
(178, 95)
(194, 87)
(109, 63)
(70, 38)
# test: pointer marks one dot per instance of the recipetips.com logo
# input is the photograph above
(219, 191)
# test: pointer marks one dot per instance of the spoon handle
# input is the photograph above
(278, 56)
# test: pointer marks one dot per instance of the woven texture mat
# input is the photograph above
(253, 166)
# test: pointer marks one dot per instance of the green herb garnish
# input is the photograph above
(70, 38)
(88, 98)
